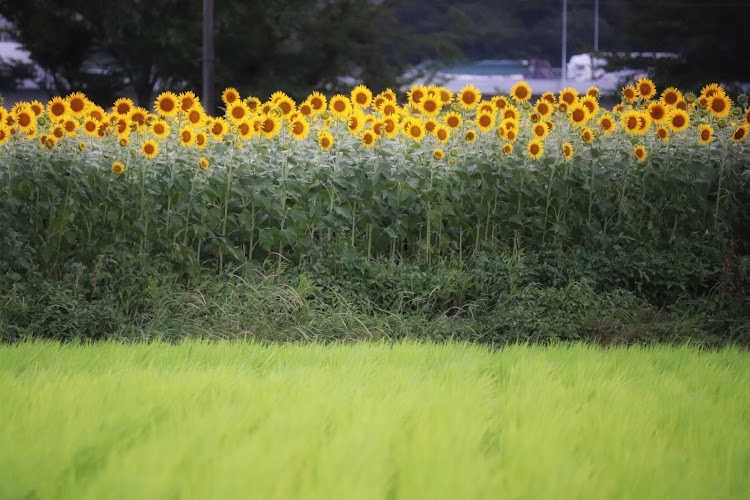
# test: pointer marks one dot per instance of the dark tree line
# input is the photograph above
(105, 48)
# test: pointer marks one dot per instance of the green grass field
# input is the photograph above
(409, 421)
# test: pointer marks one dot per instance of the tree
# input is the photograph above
(709, 37)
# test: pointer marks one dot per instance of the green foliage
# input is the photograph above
(402, 420)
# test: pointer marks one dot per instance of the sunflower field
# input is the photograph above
(430, 175)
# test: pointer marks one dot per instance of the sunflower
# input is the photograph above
(339, 106)
(138, 118)
(543, 107)
(485, 121)
(58, 132)
(681, 104)
(160, 129)
(124, 141)
(442, 133)
(678, 120)
(593, 92)
(470, 136)
(103, 129)
(37, 107)
(430, 105)
(740, 134)
(630, 121)
(123, 106)
(438, 154)
(415, 130)
(644, 122)
(149, 149)
(587, 135)
(540, 131)
(187, 137)
(196, 116)
(166, 104)
(122, 127)
(187, 101)
(640, 152)
(253, 103)
(607, 123)
(118, 168)
(500, 131)
(705, 134)
(567, 150)
(520, 92)
(549, 97)
(508, 149)
(90, 127)
(590, 103)
(237, 112)
(229, 95)
(579, 115)
(356, 122)
(429, 125)
(97, 113)
(617, 108)
(719, 105)
(378, 100)
(645, 88)
(71, 126)
(286, 104)
(218, 128)
(325, 140)
(25, 118)
(57, 107)
(246, 130)
(361, 96)
(317, 102)
(389, 94)
(299, 127)
(568, 96)
(486, 107)
(500, 102)
(747, 116)
(712, 89)
(469, 97)
(200, 140)
(416, 94)
(509, 124)
(511, 112)
(390, 125)
(535, 149)
(629, 93)
(305, 109)
(369, 137)
(453, 120)
(77, 104)
(270, 126)
(203, 163)
(670, 96)
(657, 111)
(662, 133)
(445, 95)
(511, 133)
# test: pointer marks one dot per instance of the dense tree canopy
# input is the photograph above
(106, 48)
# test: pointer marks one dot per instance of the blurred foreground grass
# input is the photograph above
(408, 421)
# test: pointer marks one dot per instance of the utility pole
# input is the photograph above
(564, 67)
(596, 25)
(208, 57)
